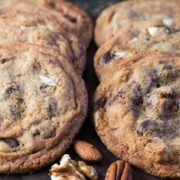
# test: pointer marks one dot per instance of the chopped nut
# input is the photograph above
(88, 171)
(133, 40)
(153, 31)
(119, 55)
(70, 169)
(48, 81)
(168, 21)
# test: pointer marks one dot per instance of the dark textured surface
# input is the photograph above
(87, 132)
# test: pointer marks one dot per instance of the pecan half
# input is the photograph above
(119, 170)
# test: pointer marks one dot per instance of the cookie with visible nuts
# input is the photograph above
(75, 19)
(42, 30)
(119, 15)
(42, 107)
(139, 117)
(157, 35)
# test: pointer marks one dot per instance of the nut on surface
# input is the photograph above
(119, 170)
(69, 169)
(87, 151)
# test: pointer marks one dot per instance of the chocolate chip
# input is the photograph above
(100, 103)
(52, 108)
(3, 61)
(16, 109)
(14, 90)
(137, 100)
(50, 133)
(108, 57)
(168, 30)
(13, 143)
(72, 19)
(36, 67)
(36, 133)
(148, 125)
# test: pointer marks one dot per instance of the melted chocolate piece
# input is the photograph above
(15, 111)
(70, 18)
(52, 108)
(137, 100)
(168, 30)
(12, 91)
(108, 57)
(36, 133)
(148, 125)
(36, 67)
(100, 103)
(50, 134)
(13, 143)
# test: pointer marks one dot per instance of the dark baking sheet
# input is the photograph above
(93, 7)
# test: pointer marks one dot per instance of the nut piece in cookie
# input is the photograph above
(140, 120)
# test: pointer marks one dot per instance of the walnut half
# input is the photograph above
(71, 170)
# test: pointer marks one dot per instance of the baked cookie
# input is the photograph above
(155, 35)
(137, 113)
(43, 105)
(76, 18)
(73, 18)
(36, 28)
(119, 15)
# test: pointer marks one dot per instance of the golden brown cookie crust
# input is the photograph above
(136, 113)
(156, 35)
(43, 107)
(118, 15)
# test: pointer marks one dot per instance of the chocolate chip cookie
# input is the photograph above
(119, 15)
(36, 28)
(156, 35)
(41, 108)
(75, 19)
(137, 113)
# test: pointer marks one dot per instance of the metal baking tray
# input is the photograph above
(93, 7)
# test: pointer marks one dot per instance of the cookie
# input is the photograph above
(77, 19)
(119, 15)
(137, 113)
(67, 14)
(42, 30)
(155, 35)
(42, 107)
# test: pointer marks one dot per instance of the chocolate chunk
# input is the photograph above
(13, 90)
(15, 110)
(100, 103)
(13, 143)
(72, 19)
(36, 133)
(108, 57)
(148, 125)
(52, 108)
(168, 30)
(137, 100)
(36, 67)
(3, 61)
(50, 133)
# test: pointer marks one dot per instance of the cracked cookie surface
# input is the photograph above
(119, 15)
(41, 107)
(42, 30)
(75, 19)
(137, 113)
(156, 35)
